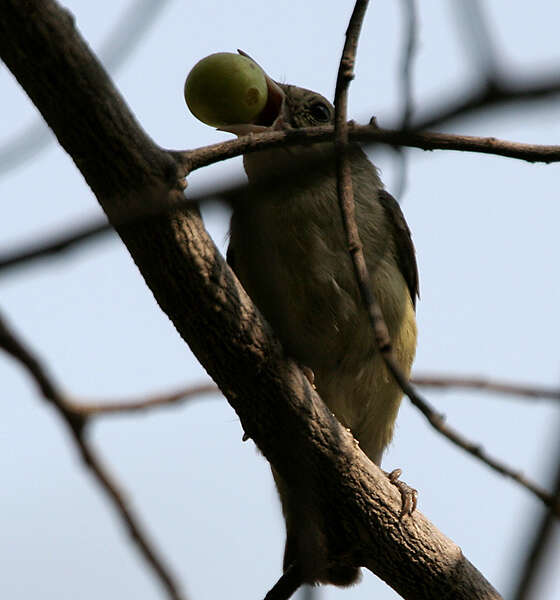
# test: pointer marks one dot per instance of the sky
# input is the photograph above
(486, 234)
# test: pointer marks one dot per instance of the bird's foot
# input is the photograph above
(409, 496)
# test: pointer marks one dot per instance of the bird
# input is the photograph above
(287, 247)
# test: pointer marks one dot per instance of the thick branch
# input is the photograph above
(211, 311)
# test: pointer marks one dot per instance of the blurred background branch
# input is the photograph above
(410, 40)
(120, 44)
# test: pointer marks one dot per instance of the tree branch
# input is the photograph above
(202, 157)
(207, 155)
(344, 176)
(371, 304)
(486, 384)
(211, 311)
(91, 409)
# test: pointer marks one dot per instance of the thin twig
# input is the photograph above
(344, 175)
(437, 421)
(77, 423)
(207, 155)
(155, 401)
(202, 157)
(93, 409)
(484, 383)
(379, 327)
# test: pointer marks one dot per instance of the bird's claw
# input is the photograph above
(409, 496)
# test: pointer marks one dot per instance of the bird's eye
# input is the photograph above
(320, 112)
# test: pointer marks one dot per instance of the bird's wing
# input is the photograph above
(406, 256)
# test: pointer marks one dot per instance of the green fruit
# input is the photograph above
(226, 88)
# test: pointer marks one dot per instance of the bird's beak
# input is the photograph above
(270, 118)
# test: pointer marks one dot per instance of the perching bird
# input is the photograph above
(287, 247)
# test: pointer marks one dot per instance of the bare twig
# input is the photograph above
(201, 157)
(207, 155)
(437, 421)
(93, 409)
(379, 327)
(541, 543)
(346, 196)
(484, 383)
(154, 401)
(77, 422)
(344, 175)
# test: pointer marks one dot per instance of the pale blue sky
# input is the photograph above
(486, 232)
